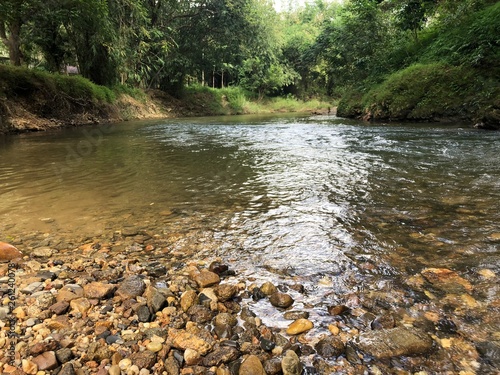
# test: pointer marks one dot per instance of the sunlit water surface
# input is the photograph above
(333, 204)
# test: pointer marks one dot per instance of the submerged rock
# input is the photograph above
(394, 342)
(446, 280)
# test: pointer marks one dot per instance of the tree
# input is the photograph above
(13, 15)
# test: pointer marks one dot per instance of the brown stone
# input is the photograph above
(81, 305)
(225, 292)
(41, 347)
(206, 278)
(282, 300)
(446, 280)
(9, 252)
(299, 326)
(98, 290)
(69, 292)
(46, 361)
(251, 365)
(182, 339)
(145, 359)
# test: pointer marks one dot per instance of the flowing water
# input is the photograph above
(338, 206)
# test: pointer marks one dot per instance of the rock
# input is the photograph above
(59, 308)
(490, 351)
(299, 326)
(394, 342)
(44, 300)
(282, 300)
(266, 345)
(42, 347)
(155, 300)
(446, 280)
(268, 288)
(125, 364)
(97, 290)
(64, 355)
(69, 292)
(154, 346)
(188, 299)
(218, 268)
(200, 314)
(294, 315)
(130, 231)
(67, 369)
(206, 278)
(9, 252)
(46, 361)
(114, 370)
(81, 305)
(225, 292)
(191, 357)
(273, 366)
(182, 339)
(220, 355)
(42, 252)
(172, 366)
(446, 325)
(290, 363)
(145, 359)
(143, 314)
(32, 288)
(338, 310)
(385, 321)
(251, 365)
(97, 352)
(225, 319)
(330, 346)
(131, 287)
(29, 367)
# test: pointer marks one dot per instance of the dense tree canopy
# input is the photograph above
(320, 48)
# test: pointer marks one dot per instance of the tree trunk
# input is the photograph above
(13, 41)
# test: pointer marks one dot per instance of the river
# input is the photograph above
(339, 206)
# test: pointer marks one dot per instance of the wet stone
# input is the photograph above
(98, 290)
(490, 352)
(338, 310)
(299, 326)
(200, 314)
(330, 347)
(446, 280)
(225, 292)
(131, 287)
(251, 365)
(291, 363)
(188, 299)
(225, 319)
(266, 344)
(446, 325)
(257, 294)
(394, 342)
(272, 366)
(206, 278)
(294, 315)
(223, 354)
(281, 300)
(385, 321)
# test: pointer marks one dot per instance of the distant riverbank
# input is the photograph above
(33, 100)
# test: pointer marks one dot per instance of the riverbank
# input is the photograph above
(32, 100)
(130, 304)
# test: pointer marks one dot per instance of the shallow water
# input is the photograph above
(336, 205)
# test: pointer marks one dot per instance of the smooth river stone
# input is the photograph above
(446, 280)
(9, 252)
(282, 300)
(299, 326)
(251, 366)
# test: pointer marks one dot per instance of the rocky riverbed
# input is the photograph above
(133, 304)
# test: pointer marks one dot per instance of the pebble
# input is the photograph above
(154, 346)
(299, 326)
(291, 363)
(251, 365)
(281, 300)
(114, 370)
(125, 364)
(9, 252)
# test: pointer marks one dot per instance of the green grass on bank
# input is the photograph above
(427, 92)
(235, 100)
(22, 82)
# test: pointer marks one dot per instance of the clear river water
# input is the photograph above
(339, 206)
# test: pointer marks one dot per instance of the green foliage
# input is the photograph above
(426, 92)
(18, 81)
